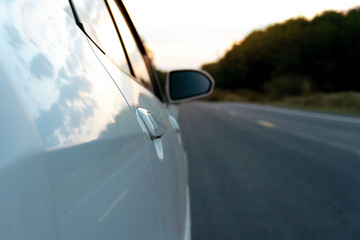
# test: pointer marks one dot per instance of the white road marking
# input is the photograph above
(232, 113)
(113, 205)
(265, 124)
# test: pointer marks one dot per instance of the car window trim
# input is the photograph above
(81, 26)
(132, 72)
(153, 77)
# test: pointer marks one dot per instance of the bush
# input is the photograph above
(288, 85)
(239, 95)
(343, 102)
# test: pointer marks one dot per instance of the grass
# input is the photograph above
(341, 102)
(240, 95)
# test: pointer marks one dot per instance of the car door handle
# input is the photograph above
(153, 125)
(174, 123)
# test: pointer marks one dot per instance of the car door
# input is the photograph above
(97, 164)
(165, 148)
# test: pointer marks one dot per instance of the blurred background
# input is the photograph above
(274, 153)
(290, 53)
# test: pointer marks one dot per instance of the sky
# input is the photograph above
(188, 33)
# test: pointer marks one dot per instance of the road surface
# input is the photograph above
(259, 172)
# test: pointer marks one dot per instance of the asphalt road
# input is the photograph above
(270, 173)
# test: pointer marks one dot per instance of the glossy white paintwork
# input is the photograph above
(76, 161)
(170, 170)
(26, 206)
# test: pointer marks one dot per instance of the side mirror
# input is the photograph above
(184, 85)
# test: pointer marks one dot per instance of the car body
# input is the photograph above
(89, 146)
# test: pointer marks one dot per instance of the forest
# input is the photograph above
(296, 57)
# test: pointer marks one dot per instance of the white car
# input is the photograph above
(88, 146)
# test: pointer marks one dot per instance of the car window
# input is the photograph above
(64, 4)
(98, 24)
(136, 59)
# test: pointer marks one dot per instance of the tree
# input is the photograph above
(325, 51)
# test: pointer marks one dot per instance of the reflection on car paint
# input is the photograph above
(93, 146)
(68, 93)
